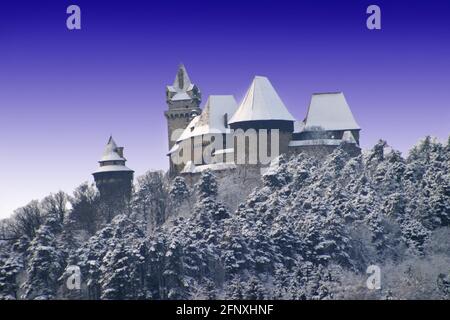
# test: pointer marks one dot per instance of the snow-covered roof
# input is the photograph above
(348, 137)
(182, 88)
(315, 142)
(212, 119)
(110, 168)
(177, 89)
(182, 81)
(330, 111)
(180, 96)
(110, 153)
(174, 148)
(187, 133)
(261, 102)
(299, 126)
(191, 168)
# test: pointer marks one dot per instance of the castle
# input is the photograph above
(329, 123)
(194, 134)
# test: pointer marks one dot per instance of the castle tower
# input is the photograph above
(183, 99)
(262, 108)
(328, 123)
(113, 179)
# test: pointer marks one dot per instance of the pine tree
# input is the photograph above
(46, 261)
(207, 185)
(235, 289)
(311, 228)
(254, 290)
(11, 264)
(207, 207)
(179, 190)
(415, 235)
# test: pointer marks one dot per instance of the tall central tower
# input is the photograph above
(183, 99)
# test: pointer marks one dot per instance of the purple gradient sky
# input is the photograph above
(63, 92)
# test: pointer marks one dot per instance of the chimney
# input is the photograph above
(225, 120)
(119, 151)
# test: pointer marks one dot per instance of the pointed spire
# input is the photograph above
(183, 90)
(111, 146)
(111, 142)
(182, 81)
(112, 152)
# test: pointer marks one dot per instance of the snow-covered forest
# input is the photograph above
(308, 230)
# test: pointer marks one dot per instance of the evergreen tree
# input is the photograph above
(11, 264)
(179, 190)
(45, 261)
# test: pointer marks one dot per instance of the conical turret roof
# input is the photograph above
(112, 158)
(110, 153)
(261, 102)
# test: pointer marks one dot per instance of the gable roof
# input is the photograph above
(212, 118)
(187, 133)
(299, 126)
(261, 102)
(330, 111)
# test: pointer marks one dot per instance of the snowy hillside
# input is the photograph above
(309, 230)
